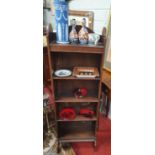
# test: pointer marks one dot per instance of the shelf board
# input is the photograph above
(98, 49)
(74, 78)
(78, 136)
(79, 118)
(73, 99)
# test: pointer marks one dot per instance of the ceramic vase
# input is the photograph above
(83, 33)
(73, 36)
(61, 19)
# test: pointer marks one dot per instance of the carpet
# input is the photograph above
(103, 140)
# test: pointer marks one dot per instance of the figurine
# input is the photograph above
(83, 33)
(73, 36)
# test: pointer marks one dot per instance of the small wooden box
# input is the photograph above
(85, 72)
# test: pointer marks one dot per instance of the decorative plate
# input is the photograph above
(62, 73)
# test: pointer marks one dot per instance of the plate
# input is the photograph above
(62, 73)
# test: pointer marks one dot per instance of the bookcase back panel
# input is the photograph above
(66, 88)
(79, 128)
(71, 60)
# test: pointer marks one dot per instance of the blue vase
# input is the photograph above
(61, 18)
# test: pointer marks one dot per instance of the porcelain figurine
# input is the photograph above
(73, 36)
(83, 33)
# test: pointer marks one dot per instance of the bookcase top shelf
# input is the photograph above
(77, 48)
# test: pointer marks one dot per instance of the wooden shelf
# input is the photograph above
(73, 99)
(68, 56)
(78, 136)
(74, 78)
(79, 118)
(98, 49)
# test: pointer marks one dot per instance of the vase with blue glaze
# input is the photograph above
(61, 18)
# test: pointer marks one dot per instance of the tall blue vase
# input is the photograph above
(61, 18)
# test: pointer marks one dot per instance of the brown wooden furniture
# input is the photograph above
(106, 87)
(68, 56)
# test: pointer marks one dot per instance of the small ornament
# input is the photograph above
(83, 33)
(80, 92)
(73, 36)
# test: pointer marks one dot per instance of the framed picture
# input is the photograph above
(78, 15)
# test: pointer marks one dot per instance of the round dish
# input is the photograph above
(62, 73)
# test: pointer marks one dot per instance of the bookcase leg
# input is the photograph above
(95, 148)
(95, 144)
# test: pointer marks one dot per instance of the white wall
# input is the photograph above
(101, 9)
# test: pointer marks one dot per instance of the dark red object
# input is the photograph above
(103, 140)
(80, 92)
(51, 102)
(87, 112)
(67, 113)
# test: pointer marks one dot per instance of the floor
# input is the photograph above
(103, 140)
(103, 137)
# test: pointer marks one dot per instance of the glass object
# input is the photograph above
(83, 33)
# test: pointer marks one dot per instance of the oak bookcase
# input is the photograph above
(67, 56)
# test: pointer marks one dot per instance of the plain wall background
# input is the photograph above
(101, 9)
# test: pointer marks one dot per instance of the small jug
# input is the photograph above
(93, 38)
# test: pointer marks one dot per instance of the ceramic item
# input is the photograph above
(61, 18)
(80, 92)
(85, 72)
(73, 36)
(86, 112)
(67, 113)
(83, 33)
(93, 38)
(62, 73)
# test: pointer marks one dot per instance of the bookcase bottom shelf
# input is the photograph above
(78, 136)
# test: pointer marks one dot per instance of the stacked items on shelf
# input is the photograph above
(79, 72)
(83, 36)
